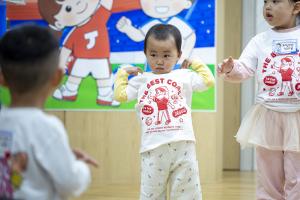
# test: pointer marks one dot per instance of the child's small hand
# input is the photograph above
(186, 64)
(81, 155)
(133, 70)
(226, 66)
(19, 162)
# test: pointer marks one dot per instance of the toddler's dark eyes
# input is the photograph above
(68, 8)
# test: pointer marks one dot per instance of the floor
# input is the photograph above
(233, 186)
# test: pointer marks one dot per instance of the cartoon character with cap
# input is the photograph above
(161, 98)
(286, 70)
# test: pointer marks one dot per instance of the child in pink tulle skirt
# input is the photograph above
(272, 125)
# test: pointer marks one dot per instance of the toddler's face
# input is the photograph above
(75, 12)
(164, 8)
(161, 55)
(279, 13)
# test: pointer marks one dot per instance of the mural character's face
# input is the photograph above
(164, 8)
(75, 12)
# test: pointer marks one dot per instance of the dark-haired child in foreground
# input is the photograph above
(164, 108)
(36, 161)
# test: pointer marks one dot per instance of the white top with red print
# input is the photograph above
(164, 105)
(273, 56)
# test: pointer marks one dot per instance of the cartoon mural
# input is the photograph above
(163, 11)
(95, 41)
(87, 44)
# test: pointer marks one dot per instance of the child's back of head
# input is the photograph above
(28, 58)
(37, 160)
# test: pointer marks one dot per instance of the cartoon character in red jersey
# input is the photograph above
(87, 42)
(162, 101)
(286, 70)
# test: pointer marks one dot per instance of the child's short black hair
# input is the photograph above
(163, 32)
(29, 57)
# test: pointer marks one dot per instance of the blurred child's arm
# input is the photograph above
(121, 83)
(203, 71)
(69, 176)
(234, 70)
(245, 67)
(83, 156)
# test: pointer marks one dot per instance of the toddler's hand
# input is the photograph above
(81, 155)
(133, 70)
(186, 64)
(226, 66)
(19, 162)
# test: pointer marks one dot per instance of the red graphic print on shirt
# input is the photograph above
(163, 107)
(280, 70)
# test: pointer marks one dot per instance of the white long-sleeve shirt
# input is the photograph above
(164, 102)
(273, 57)
(52, 172)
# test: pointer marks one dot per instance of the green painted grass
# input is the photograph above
(87, 95)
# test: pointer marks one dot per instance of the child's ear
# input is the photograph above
(297, 8)
(179, 54)
(58, 75)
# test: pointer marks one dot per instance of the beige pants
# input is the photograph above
(173, 163)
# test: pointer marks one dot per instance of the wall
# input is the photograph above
(231, 97)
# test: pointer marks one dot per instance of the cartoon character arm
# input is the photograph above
(294, 75)
(171, 105)
(188, 47)
(64, 55)
(151, 97)
(108, 4)
(124, 25)
(274, 66)
(203, 71)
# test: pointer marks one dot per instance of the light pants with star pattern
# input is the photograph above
(173, 163)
